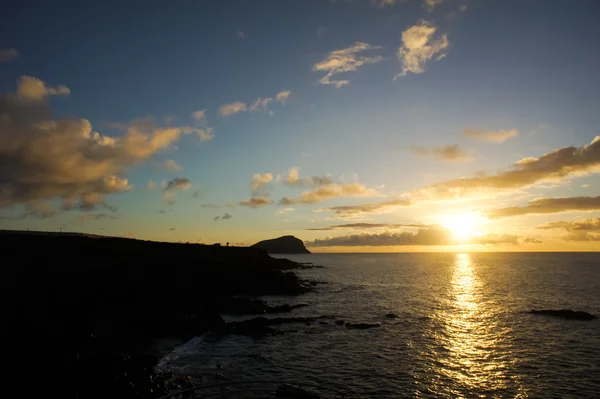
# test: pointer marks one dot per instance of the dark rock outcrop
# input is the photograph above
(391, 316)
(362, 326)
(282, 245)
(565, 314)
(242, 306)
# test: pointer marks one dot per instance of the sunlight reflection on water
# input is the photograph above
(471, 338)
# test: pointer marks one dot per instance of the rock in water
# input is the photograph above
(565, 314)
(283, 245)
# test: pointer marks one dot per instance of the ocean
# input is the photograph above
(462, 329)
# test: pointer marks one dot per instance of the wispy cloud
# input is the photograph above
(260, 104)
(226, 216)
(419, 46)
(495, 137)
(345, 60)
(232, 108)
(151, 185)
(328, 191)
(285, 210)
(94, 216)
(354, 210)
(283, 96)
(361, 226)
(173, 186)
(578, 230)
(172, 166)
(199, 115)
(256, 202)
(553, 166)
(432, 236)
(450, 153)
(549, 205)
(8, 54)
(431, 4)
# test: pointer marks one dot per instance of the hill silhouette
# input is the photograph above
(282, 245)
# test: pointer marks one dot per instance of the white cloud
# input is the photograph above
(260, 180)
(172, 166)
(495, 137)
(8, 54)
(345, 60)
(283, 96)
(419, 46)
(232, 109)
(151, 185)
(205, 134)
(34, 89)
(260, 104)
(199, 115)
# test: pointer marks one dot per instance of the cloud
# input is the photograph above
(240, 34)
(367, 226)
(151, 185)
(94, 216)
(232, 109)
(553, 166)
(226, 216)
(205, 134)
(345, 60)
(328, 191)
(34, 89)
(549, 205)
(259, 181)
(8, 54)
(531, 240)
(431, 236)
(260, 104)
(419, 47)
(431, 4)
(211, 206)
(495, 239)
(172, 166)
(283, 96)
(285, 210)
(578, 230)
(450, 153)
(293, 180)
(199, 115)
(43, 158)
(354, 210)
(383, 3)
(173, 187)
(256, 202)
(495, 137)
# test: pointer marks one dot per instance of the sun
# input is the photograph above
(463, 225)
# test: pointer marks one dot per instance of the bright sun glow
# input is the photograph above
(463, 225)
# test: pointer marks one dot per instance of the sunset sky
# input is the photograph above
(355, 125)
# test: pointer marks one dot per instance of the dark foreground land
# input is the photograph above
(84, 312)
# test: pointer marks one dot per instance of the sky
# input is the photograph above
(354, 125)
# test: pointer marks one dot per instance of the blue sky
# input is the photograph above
(487, 67)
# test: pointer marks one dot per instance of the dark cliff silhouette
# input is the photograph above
(282, 245)
(83, 310)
